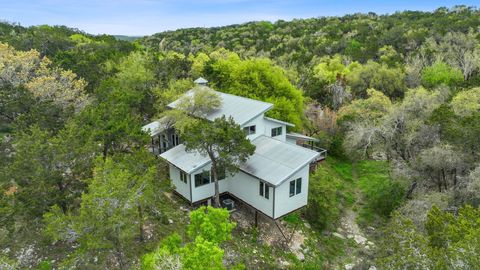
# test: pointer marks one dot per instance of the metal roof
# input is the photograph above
(200, 81)
(154, 128)
(186, 161)
(279, 121)
(240, 108)
(299, 136)
(274, 161)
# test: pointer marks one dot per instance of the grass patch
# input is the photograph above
(381, 193)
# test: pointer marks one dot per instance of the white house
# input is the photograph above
(275, 178)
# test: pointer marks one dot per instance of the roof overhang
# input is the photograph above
(279, 121)
(298, 136)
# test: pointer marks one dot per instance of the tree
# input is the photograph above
(441, 163)
(111, 213)
(38, 76)
(390, 81)
(404, 248)
(258, 79)
(323, 206)
(209, 227)
(441, 73)
(211, 224)
(466, 103)
(33, 91)
(223, 141)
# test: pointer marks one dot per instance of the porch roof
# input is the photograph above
(274, 161)
(154, 128)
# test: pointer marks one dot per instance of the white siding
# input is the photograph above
(283, 202)
(180, 187)
(208, 190)
(247, 188)
(271, 124)
(259, 123)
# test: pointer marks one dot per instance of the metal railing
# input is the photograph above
(323, 152)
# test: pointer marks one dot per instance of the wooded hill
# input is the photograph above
(394, 98)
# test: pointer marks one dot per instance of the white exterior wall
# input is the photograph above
(180, 187)
(271, 124)
(259, 122)
(208, 190)
(283, 202)
(247, 188)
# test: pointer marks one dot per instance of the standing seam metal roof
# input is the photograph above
(274, 161)
(242, 109)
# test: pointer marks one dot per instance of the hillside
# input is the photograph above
(393, 98)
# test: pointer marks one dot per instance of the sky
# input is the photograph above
(145, 17)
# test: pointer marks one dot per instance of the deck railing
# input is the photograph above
(323, 152)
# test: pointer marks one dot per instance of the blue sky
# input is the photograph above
(143, 17)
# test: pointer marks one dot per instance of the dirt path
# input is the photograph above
(349, 229)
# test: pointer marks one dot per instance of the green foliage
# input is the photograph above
(466, 103)
(382, 194)
(202, 254)
(110, 217)
(323, 205)
(441, 73)
(450, 242)
(390, 81)
(259, 79)
(208, 228)
(223, 141)
(211, 224)
(370, 109)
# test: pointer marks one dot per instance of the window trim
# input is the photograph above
(250, 130)
(296, 185)
(203, 178)
(264, 190)
(183, 176)
(277, 131)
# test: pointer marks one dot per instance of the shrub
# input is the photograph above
(323, 207)
(381, 193)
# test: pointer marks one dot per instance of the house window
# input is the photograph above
(264, 190)
(249, 130)
(175, 140)
(276, 131)
(183, 176)
(295, 187)
(202, 178)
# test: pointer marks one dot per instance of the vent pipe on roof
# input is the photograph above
(201, 81)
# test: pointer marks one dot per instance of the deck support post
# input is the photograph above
(256, 218)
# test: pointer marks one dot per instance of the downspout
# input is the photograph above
(190, 185)
(273, 204)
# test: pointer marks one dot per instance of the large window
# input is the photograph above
(183, 176)
(276, 131)
(202, 178)
(175, 139)
(295, 187)
(264, 190)
(249, 130)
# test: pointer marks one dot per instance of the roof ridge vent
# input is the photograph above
(201, 81)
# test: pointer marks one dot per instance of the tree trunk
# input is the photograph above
(105, 151)
(455, 178)
(445, 184)
(213, 170)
